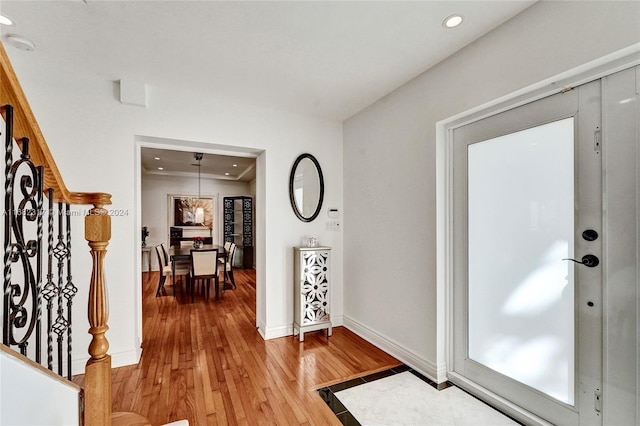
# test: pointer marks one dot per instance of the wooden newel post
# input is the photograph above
(97, 407)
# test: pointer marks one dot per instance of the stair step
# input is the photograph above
(128, 419)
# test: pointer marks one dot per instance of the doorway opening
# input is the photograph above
(231, 171)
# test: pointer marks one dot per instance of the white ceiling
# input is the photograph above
(183, 163)
(327, 58)
(322, 58)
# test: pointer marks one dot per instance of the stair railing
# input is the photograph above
(23, 128)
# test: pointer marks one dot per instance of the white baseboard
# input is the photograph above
(278, 331)
(442, 372)
(337, 321)
(422, 365)
(121, 359)
(118, 359)
(287, 329)
(77, 365)
(261, 329)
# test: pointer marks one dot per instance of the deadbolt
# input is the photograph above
(590, 235)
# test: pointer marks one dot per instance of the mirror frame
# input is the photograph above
(298, 213)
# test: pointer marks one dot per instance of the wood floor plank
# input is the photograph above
(206, 362)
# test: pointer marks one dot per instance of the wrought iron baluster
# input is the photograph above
(50, 290)
(19, 324)
(23, 302)
(8, 217)
(38, 288)
(60, 252)
(69, 291)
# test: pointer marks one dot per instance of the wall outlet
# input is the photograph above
(333, 225)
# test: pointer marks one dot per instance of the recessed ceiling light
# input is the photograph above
(160, 168)
(235, 165)
(226, 174)
(156, 158)
(452, 21)
(5, 20)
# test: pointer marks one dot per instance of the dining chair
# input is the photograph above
(165, 252)
(165, 270)
(227, 247)
(227, 263)
(179, 264)
(204, 267)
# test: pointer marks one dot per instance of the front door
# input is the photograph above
(527, 226)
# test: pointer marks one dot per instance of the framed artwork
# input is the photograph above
(192, 211)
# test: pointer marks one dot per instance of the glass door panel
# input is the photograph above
(520, 227)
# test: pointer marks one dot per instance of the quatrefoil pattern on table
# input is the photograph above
(315, 287)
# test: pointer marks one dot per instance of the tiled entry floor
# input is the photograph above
(402, 396)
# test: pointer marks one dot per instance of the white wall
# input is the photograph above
(24, 382)
(390, 164)
(93, 139)
(154, 215)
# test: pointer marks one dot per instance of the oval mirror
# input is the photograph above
(306, 187)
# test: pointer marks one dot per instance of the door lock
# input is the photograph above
(588, 260)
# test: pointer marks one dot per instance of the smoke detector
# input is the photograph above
(20, 42)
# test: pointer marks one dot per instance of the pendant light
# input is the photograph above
(199, 209)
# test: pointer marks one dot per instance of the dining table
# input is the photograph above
(177, 254)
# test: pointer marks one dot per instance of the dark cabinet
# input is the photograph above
(175, 235)
(238, 228)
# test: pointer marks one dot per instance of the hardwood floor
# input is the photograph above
(205, 362)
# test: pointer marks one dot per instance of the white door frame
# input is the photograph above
(596, 69)
(140, 142)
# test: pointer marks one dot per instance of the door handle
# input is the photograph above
(588, 260)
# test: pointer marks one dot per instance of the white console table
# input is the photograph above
(312, 278)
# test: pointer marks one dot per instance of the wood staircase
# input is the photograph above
(97, 230)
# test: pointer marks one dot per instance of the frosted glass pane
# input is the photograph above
(521, 226)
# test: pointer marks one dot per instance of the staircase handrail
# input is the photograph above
(25, 124)
(97, 392)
